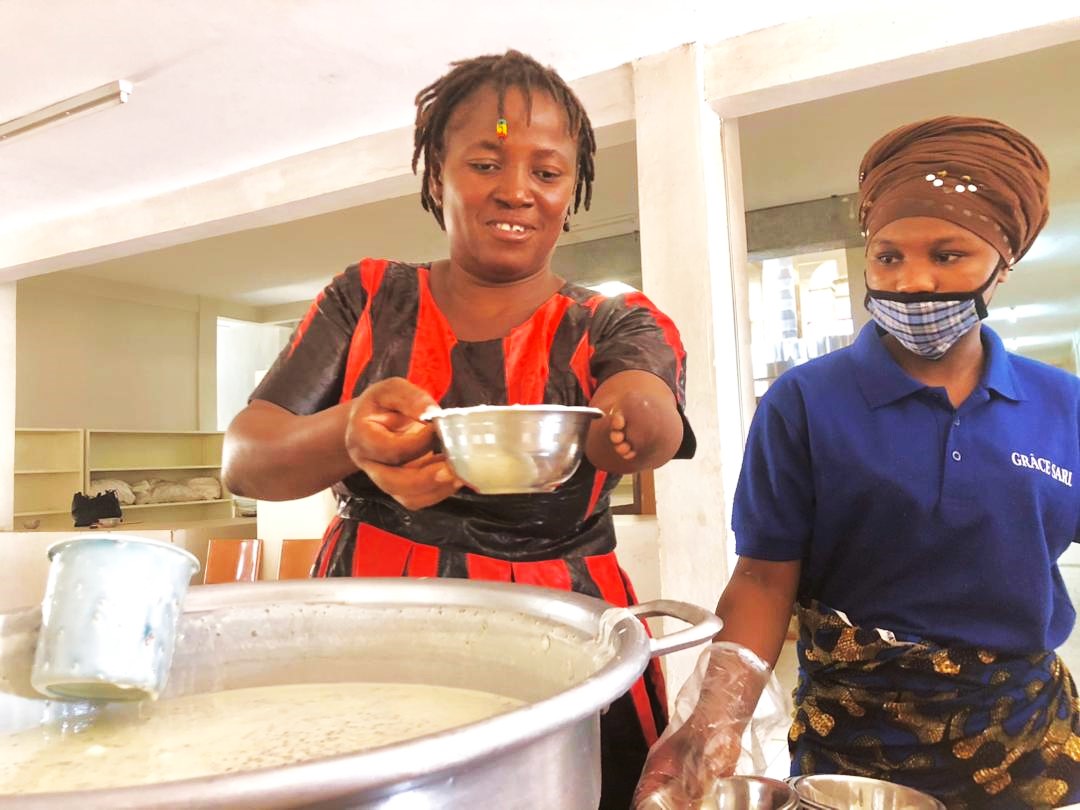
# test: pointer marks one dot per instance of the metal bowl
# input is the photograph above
(752, 793)
(729, 793)
(503, 450)
(839, 792)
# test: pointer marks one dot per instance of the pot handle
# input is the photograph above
(706, 624)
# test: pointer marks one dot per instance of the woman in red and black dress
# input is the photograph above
(508, 155)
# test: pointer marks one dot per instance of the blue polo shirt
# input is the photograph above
(910, 515)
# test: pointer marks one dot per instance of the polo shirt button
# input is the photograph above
(956, 423)
(956, 455)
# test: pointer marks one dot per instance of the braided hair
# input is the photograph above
(436, 102)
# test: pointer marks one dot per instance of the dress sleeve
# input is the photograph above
(308, 375)
(773, 514)
(630, 334)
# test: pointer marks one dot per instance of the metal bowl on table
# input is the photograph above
(729, 793)
(751, 793)
(841, 792)
(510, 449)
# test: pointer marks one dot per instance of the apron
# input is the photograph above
(977, 729)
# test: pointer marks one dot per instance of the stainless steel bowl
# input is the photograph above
(503, 450)
(839, 792)
(752, 793)
(731, 793)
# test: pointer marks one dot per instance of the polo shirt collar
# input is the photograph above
(999, 375)
(883, 382)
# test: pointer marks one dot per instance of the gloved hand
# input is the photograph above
(703, 741)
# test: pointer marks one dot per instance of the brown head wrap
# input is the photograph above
(974, 172)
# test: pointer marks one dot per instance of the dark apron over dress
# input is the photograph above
(379, 320)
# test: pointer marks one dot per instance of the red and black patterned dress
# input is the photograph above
(379, 320)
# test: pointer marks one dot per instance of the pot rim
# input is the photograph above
(409, 763)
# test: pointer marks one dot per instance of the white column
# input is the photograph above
(7, 406)
(687, 269)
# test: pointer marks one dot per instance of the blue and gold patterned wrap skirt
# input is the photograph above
(971, 727)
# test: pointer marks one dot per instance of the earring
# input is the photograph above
(566, 223)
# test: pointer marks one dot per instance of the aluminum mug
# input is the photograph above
(109, 617)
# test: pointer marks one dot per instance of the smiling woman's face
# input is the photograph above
(504, 201)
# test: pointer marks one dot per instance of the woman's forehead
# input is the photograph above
(537, 114)
(924, 230)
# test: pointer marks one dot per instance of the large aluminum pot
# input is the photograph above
(565, 655)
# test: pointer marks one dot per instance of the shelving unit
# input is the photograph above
(48, 472)
(132, 456)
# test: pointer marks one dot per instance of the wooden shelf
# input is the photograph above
(49, 472)
(144, 450)
(172, 455)
(52, 464)
(172, 503)
(144, 468)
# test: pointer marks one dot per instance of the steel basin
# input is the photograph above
(508, 449)
(565, 655)
(844, 792)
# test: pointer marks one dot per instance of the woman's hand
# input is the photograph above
(386, 440)
(415, 484)
(642, 429)
(682, 768)
(703, 741)
(633, 423)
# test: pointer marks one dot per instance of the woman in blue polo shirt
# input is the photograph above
(910, 496)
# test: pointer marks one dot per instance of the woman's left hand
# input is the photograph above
(642, 429)
(624, 441)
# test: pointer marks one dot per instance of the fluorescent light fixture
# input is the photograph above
(107, 95)
(612, 288)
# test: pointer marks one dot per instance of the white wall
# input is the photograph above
(243, 349)
(88, 357)
(103, 354)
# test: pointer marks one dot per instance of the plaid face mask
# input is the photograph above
(928, 324)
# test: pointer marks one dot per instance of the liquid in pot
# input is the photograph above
(226, 732)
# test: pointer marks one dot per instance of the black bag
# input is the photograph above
(86, 510)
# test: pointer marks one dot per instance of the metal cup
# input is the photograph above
(109, 616)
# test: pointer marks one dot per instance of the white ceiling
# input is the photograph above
(225, 85)
(291, 262)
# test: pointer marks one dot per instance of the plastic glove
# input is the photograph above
(703, 741)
